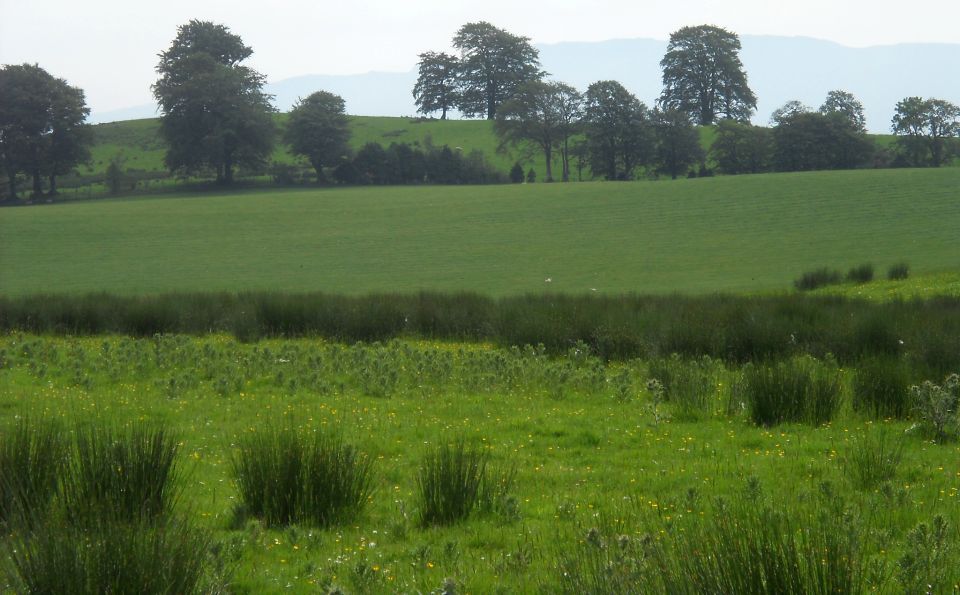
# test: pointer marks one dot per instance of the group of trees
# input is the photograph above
(498, 75)
(799, 139)
(216, 117)
(834, 137)
(42, 129)
(606, 127)
(492, 65)
(403, 163)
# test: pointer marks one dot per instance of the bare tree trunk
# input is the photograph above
(548, 153)
(53, 185)
(12, 180)
(37, 183)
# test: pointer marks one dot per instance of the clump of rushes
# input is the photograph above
(881, 387)
(861, 274)
(449, 482)
(31, 462)
(901, 270)
(749, 547)
(817, 278)
(801, 389)
(105, 556)
(286, 477)
(873, 458)
(124, 475)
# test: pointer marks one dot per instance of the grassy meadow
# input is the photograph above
(568, 388)
(730, 234)
(605, 476)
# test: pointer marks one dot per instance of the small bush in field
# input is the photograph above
(31, 462)
(901, 270)
(450, 483)
(286, 477)
(818, 278)
(861, 274)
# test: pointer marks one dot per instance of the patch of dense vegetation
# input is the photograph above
(727, 327)
(474, 469)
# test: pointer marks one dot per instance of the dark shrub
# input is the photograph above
(861, 274)
(816, 279)
(901, 270)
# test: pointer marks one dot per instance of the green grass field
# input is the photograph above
(743, 233)
(597, 461)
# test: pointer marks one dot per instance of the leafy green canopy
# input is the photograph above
(215, 113)
(437, 84)
(318, 129)
(703, 75)
(493, 63)
(42, 129)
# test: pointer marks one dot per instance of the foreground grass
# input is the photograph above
(596, 458)
(748, 233)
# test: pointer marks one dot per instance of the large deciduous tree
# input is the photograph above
(703, 75)
(42, 129)
(544, 114)
(926, 130)
(436, 89)
(842, 102)
(617, 129)
(493, 64)
(215, 113)
(318, 129)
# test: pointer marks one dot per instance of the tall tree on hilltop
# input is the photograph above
(318, 129)
(493, 63)
(215, 113)
(703, 75)
(617, 129)
(543, 114)
(437, 84)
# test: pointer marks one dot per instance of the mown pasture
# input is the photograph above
(741, 233)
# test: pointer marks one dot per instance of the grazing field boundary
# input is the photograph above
(735, 328)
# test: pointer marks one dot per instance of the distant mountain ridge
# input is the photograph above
(779, 69)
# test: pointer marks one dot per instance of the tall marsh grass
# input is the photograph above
(450, 482)
(801, 389)
(881, 387)
(731, 328)
(287, 477)
(32, 459)
(126, 475)
(104, 556)
(741, 545)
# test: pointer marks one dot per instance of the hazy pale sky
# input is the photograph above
(109, 47)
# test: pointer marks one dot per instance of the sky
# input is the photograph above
(109, 47)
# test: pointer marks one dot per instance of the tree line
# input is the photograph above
(704, 83)
(216, 118)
